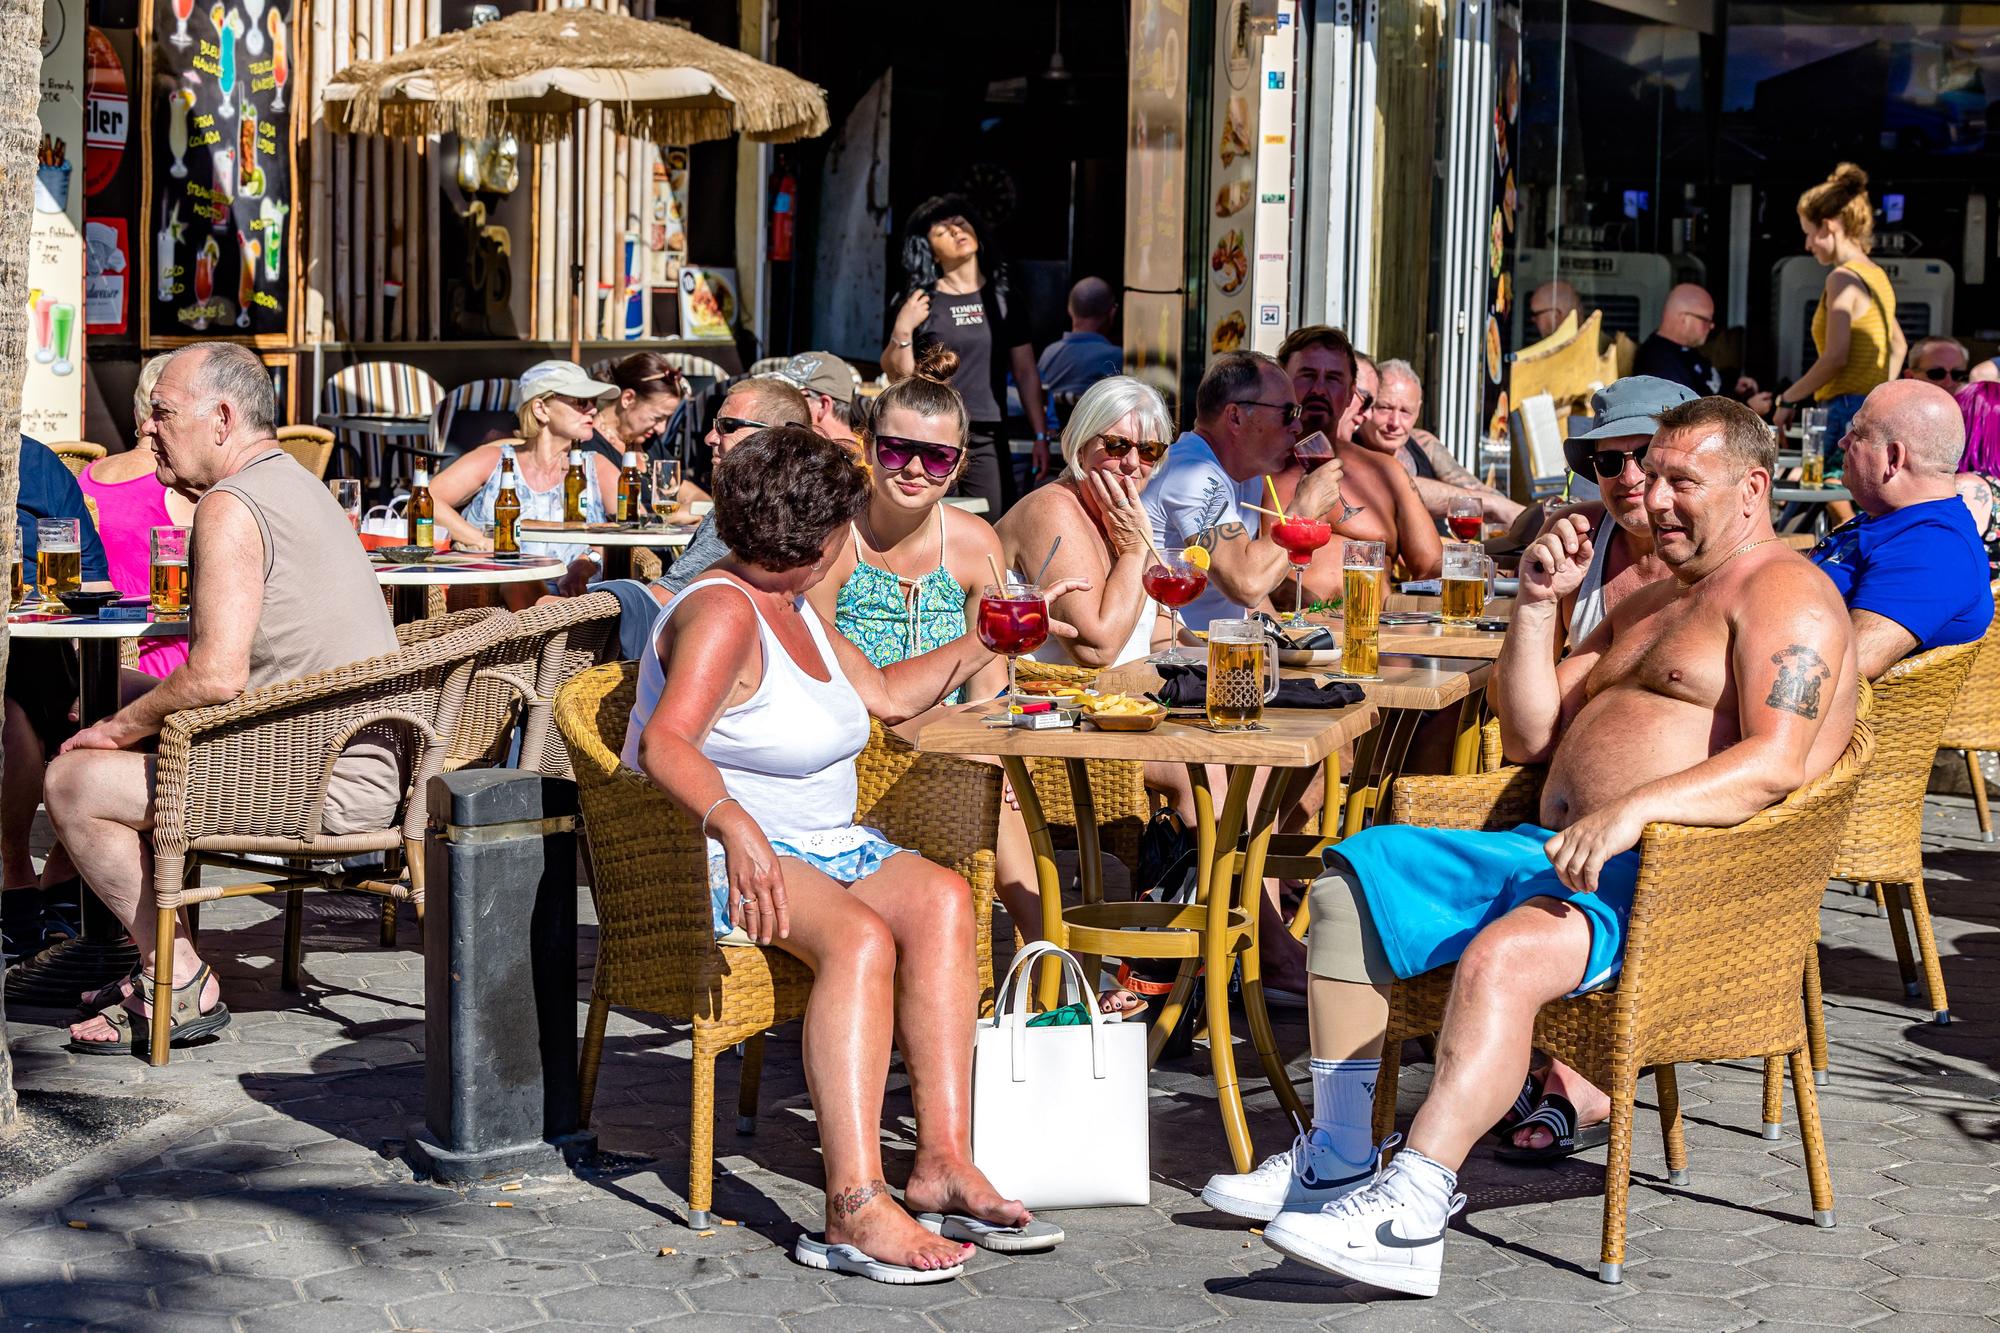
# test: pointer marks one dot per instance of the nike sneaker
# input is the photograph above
(1307, 1176)
(1389, 1234)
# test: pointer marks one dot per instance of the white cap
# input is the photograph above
(631, 458)
(564, 377)
(576, 458)
(422, 477)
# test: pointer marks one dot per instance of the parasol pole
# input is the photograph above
(576, 242)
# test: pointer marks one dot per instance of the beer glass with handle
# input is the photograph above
(170, 573)
(1467, 570)
(1362, 565)
(58, 556)
(1242, 675)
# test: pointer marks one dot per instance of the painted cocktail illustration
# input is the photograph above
(40, 305)
(204, 280)
(183, 10)
(281, 63)
(249, 176)
(226, 30)
(271, 221)
(178, 103)
(165, 265)
(253, 31)
(63, 321)
(246, 278)
(224, 182)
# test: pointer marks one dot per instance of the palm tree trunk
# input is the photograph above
(20, 127)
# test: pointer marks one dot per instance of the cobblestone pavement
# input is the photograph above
(272, 1196)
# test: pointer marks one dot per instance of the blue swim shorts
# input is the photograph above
(1431, 890)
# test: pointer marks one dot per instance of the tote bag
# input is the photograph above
(1059, 1113)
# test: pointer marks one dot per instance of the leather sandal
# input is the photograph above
(186, 1022)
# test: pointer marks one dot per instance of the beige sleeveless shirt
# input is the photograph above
(322, 609)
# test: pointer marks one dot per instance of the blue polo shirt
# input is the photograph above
(1922, 566)
(49, 490)
(1078, 361)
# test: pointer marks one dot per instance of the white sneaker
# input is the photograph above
(1307, 1176)
(1388, 1234)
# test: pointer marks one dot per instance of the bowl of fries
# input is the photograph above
(1123, 712)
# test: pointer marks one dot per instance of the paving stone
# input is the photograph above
(1938, 1295)
(610, 1305)
(148, 1268)
(1149, 1309)
(577, 1243)
(200, 1238)
(1815, 1305)
(775, 1298)
(176, 1321)
(227, 1293)
(371, 1285)
(293, 1259)
(473, 1312)
(1003, 1314)
(522, 1277)
(94, 1302)
(1660, 1310)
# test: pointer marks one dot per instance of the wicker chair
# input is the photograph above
(312, 446)
(1883, 842)
(649, 880)
(1723, 921)
(250, 777)
(1117, 787)
(487, 395)
(76, 455)
(377, 388)
(1973, 726)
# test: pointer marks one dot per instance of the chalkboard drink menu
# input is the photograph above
(219, 170)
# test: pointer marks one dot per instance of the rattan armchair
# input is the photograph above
(656, 947)
(1973, 727)
(250, 777)
(76, 455)
(310, 446)
(1723, 921)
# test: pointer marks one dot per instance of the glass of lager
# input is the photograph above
(170, 573)
(1242, 674)
(347, 494)
(1362, 570)
(19, 593)
(1468, 572)
(59, 556)
(666, 485)
(1812, 447)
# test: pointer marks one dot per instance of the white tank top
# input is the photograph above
(787, 753)
(1588, 612)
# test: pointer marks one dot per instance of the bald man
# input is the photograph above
(1910, 566)
(1548, 303)
(1086, 353)
(1674, 350)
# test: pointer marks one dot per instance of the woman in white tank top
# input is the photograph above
(750, 715)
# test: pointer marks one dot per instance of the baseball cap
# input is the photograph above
(1632, 406)
(822, 372)
(563, 377)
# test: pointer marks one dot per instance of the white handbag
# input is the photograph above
(1059, 1115)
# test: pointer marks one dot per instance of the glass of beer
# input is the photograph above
(1242, 674)
(59, 556)
(170, 573)
(666, 484)
(1362, 570)
(1467, 571)
(19, 592)
(347, 494)
(1812, 447)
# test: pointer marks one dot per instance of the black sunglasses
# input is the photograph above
(1290, 411)
(1117, 446)
(1607, 463)
(730, 425)
(1367, 400)
(894, 453)
(1939, 374)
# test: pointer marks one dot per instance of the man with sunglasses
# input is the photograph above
(1673, 352)
(1940, 359)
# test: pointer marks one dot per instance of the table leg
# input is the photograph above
(1219, 962)
(1048, 883)
(1089, 852)
(617, 562)
(1204, 852)
(1250, 887)
(103, 952)
(409, 603)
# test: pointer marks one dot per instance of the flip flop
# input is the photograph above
(1524, 1106)
(1030, 1239)
(187, 1025)
(847, 1259)
(1557, 1115)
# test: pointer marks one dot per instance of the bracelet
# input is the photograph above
(901, 342)
(711, 810)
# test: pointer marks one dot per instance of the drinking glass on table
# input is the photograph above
(1361, 576)
(1173, 582)
(170, 572)
(1012, 620)
(1468, 574)
(19, 592)
(666, 484)
(347, 494)
(59, 556)
(1465, 518)
(1242, 675)
(1812, 447)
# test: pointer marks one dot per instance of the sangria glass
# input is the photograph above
(1466, 518)
(1300, 536)
(1012, 620)
(1173, 582)
(1314, 451)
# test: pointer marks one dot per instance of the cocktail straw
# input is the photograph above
(999, 584)
(1259, 509)
(1272, 488)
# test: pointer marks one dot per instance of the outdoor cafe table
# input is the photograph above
(617, 539)
(1228, 887)
(102, 953)
(1819, 497)
(407, 583)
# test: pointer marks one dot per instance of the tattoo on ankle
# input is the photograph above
(844, 1204)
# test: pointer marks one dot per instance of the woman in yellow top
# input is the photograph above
(1854, 328)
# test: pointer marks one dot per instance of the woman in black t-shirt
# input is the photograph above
(950, 298)
(650, 391)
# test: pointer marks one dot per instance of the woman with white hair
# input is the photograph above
(1115, 436)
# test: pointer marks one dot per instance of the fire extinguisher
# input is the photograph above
(784, 200)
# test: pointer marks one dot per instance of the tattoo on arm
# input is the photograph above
(848, 1202)
(1221, 532)
(1801, 672)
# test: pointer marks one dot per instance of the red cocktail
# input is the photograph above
(1466, 518)
(1012, 620)
(1300, 536)
(1173, 582)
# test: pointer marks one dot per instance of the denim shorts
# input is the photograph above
(848, 855)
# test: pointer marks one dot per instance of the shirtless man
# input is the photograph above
(1697, 702)
(1379, 500)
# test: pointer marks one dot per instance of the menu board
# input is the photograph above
(1234, 103)
(216, 134)
(1156, 168)
(52, 388)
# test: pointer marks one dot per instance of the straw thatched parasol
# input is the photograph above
(527, 74)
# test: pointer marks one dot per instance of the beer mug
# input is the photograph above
(58, 556)
(1242, 674)
(1361, 578)
(1468, 581)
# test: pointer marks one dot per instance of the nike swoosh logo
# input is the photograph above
(1385, 1235)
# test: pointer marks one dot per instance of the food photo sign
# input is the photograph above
(52, 390)
(219, 231)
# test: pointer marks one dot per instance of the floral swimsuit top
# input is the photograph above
(891, 618)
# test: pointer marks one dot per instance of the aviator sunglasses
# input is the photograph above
(894, 453)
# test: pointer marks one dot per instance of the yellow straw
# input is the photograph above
(1272, 487)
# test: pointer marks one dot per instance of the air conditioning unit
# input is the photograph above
(1631, 289)
(1923, 290)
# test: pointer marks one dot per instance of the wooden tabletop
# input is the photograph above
(1419, 682)
(1435, 639)
(1292, 737)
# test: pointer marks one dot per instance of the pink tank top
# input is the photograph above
(127, 513)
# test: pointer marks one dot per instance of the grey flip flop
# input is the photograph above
(815, 1253)
(1030, 1239)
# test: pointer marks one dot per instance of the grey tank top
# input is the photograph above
(1588, 613)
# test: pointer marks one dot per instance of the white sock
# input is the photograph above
(1344, 1107)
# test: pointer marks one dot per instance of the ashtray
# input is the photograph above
(405, 555)
(88, 601)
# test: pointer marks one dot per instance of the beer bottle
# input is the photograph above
(573, 486)
(421, 512)
(631, 487)
(507, 509)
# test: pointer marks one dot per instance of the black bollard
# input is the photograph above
(500, 1041)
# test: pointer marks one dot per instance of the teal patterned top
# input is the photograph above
(890, 618)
